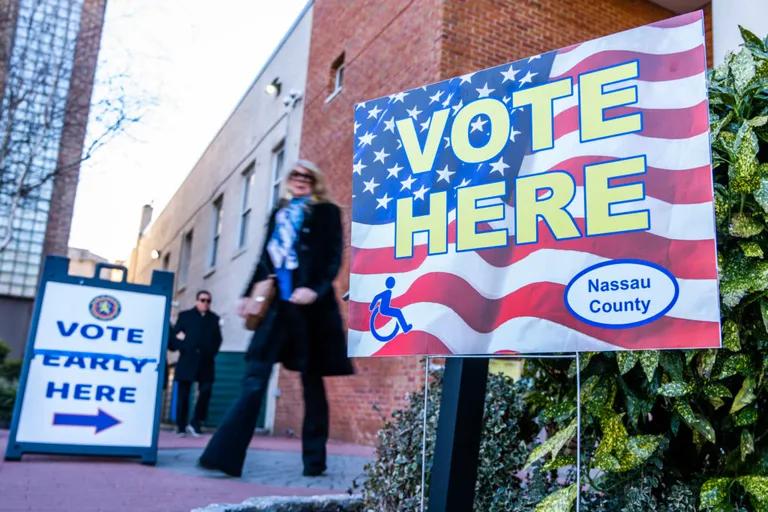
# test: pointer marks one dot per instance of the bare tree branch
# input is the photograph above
(39, 104)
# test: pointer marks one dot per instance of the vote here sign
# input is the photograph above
(94, 365)
(562, 202)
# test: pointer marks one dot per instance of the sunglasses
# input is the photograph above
(301, 176)
(204, 301)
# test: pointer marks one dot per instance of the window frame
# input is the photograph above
(247, 176)
(218, 213)
(277, 164)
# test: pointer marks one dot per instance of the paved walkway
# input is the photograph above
(273, 468)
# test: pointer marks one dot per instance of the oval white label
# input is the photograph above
(621, 293)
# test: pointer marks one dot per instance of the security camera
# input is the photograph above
(290, 99)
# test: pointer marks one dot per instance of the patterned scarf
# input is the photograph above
(281, 246)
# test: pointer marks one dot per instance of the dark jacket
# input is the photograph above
(199, 348)
(315, 342)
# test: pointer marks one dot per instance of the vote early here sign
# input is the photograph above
(92, 377)
(562, 202)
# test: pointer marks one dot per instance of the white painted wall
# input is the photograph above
(727, 15)
(257, 125)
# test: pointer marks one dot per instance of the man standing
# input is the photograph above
(197, 337)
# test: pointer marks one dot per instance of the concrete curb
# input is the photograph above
(325, 503)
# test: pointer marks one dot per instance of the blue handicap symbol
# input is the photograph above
(381, 306)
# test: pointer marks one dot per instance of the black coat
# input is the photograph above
(199, 348)
(314, 342)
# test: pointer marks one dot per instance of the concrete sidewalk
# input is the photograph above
(273, 468)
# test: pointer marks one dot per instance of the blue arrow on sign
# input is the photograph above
(101, 421)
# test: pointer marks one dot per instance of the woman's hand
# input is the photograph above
(303, 296)
(243, 307)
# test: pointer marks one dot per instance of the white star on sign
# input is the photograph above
(406, 184)
(463, 183)
(506, 99)
(394, 170)
(527, 78)
(513, 133)
(398, 97)
(414, 112)
(374, 112)
(466, 78)
(419, 194)
(380, 155)
(499, 166)
(383, 201)
(357, 125)
(425, 125)
(358, 168)
(509, 74)
(366, 139)
(447, 142)
(390, 125)
(477, 124)
(457, 107)
(484, 91)
(370, 186)
(435, 97)
(445, 174)
(531, 59)
(360, 105)
(447, 100)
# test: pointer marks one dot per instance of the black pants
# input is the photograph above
(183, 389)
(227, 448)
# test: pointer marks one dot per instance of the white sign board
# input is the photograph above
(95, 358)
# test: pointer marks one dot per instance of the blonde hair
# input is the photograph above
(319, 188)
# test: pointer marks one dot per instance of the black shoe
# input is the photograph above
(314, 471)
(201, 463)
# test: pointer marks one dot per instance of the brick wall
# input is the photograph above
(484, 33)
(75, 122)
(388, 46)
(395, 45)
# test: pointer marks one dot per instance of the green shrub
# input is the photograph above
(659, 426)
(662, 431)
(10, 369)
(394, 479)
(4, 351)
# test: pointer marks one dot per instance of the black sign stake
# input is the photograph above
(454, 468)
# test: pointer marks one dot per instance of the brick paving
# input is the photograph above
(273, 468)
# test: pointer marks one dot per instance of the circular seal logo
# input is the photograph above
(104, 307)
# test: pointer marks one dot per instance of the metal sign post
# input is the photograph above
(454, 467)
(94, 365)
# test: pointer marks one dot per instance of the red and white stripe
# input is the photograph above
(510, 299)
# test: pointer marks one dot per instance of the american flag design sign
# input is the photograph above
(562, 202)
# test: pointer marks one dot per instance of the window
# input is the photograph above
(337, 77)
(184, 257)
(278, 161)
(245, 206)
(218, 204)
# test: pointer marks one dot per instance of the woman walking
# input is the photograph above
(302, 328)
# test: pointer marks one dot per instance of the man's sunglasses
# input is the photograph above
(205, 301)
(301, 176)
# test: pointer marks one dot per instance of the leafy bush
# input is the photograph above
(658, 425)
(10, 369)
(394, 479)
(669, 431)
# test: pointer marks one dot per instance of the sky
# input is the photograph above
(184, 65)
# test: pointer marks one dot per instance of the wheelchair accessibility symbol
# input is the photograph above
(381, 306)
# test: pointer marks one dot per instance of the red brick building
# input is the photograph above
(385, 47)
